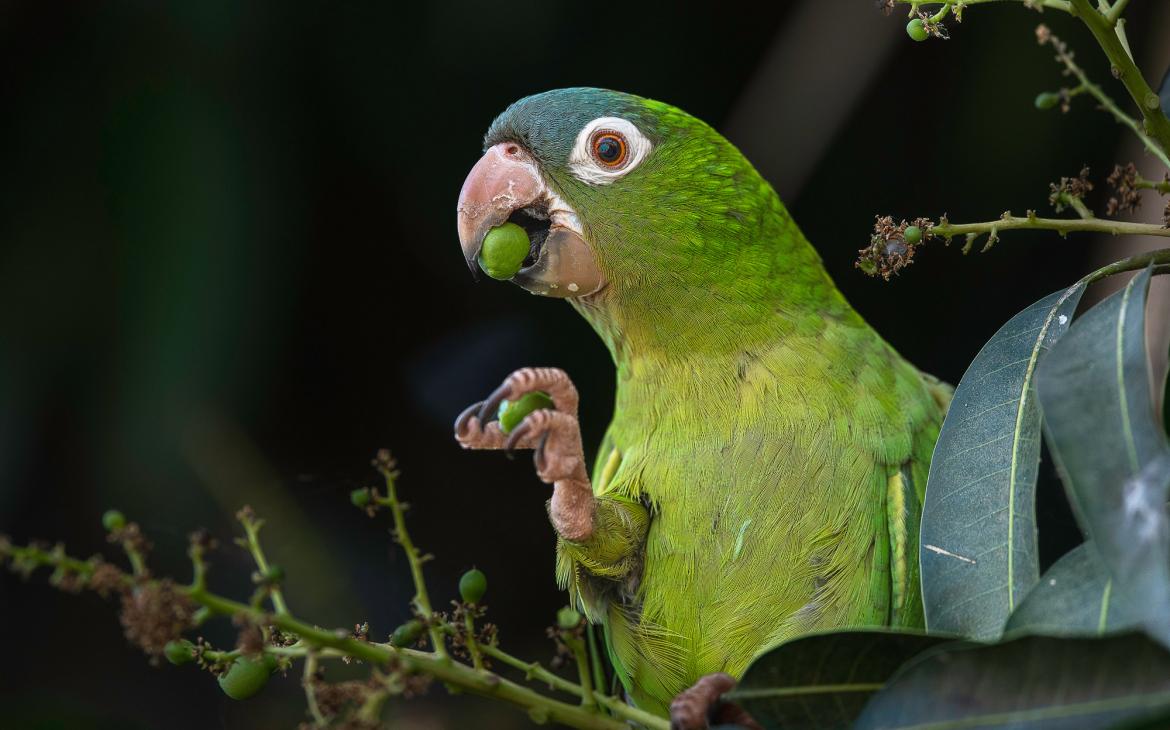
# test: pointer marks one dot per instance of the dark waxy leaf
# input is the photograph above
(1157, 721)
(978, 540)
(1166, 402)
(1112, 453)
(1029, 683)
(1074, 597)
(822, 681)
(1164, 93)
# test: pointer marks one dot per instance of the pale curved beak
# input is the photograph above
(505, 180)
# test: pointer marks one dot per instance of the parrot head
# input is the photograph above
(632, 207)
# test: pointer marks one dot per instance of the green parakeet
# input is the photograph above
(763, 473)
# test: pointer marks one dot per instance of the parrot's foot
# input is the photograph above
(476, 427)
(698, 707)
(555, 436)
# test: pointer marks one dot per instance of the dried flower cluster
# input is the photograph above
(154, 614)
(1068, 188)
(891, 248)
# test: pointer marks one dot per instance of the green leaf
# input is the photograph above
(1164, 93)
(978, 540)
(1166, 402)
(822, 681)
(1032, 682)
(1111, 451)
(1074, 597)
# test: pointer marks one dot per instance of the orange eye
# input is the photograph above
(609, 148)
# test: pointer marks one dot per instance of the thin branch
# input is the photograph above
(1086, 85)
(1062, 5)
(252, 527)
(1162, 186)
(308, 681)
(1159, 258)
(1156, 123)
(1114, 13)
(534, 671)
(422, 602)
(584, 675)
(469, 639)
(1063, 226)
(430, 663)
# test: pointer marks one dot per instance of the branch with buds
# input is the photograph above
(893, 245)
(456, 649)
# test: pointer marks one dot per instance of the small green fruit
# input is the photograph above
(1047, 100)
(179, 652)
(568, 618)
(113, 520)
(275, 574)
(247, 676)
(504, 249)
(916, 29)
(406, 634)
(912, 235)
(511, 413)
(360, 497)
(472, 586)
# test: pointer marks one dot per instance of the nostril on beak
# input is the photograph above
(512, 150)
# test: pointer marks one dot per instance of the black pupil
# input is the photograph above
(609, 149)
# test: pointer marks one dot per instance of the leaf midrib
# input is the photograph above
(1028, 375)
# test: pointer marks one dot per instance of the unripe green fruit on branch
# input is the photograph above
(472, 586)
(247, 676)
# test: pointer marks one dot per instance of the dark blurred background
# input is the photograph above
(229, 273)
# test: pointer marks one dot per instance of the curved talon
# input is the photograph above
(538, 453)
(489, 407)
(464, 417)
(518, 433)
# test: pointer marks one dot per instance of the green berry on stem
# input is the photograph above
(179, 652)
(511, 413)
(912, 235)
(568, 618)
(247, 676)
(472, 586)
(406, 634)
(1047, 100)
(916, 29)
(360, 497)
(503, 252)
(113, 520)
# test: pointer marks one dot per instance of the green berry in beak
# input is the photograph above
(512, 412)
(504, 249)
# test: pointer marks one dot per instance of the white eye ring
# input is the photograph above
(584, 164)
